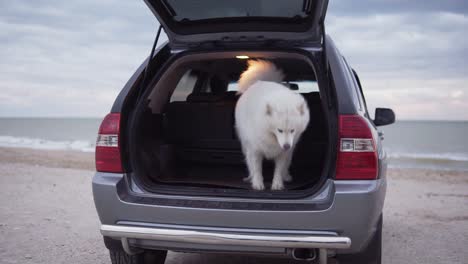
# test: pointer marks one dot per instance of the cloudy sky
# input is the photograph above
(71, 58)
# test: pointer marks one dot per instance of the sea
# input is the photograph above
(437, 145)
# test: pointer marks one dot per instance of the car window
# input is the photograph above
(361, 93)
(185, 86)
(296, 86)
(232, 87)
(357, 94)
(198, 10)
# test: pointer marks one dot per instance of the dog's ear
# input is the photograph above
(269, 110)
(301, 108)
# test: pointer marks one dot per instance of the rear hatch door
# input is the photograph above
(190, 23)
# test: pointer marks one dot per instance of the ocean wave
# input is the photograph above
(37, 143)
(87, 146)
(441, 157)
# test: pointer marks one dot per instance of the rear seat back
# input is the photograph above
(210, 97)
(194, 123)
(205, 124)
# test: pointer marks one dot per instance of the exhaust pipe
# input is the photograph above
(304, 254)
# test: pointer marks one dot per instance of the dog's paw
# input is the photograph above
(277, 186)
(258, 185)
(247, 179)
(287, 178)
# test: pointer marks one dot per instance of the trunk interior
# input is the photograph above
(184, 129)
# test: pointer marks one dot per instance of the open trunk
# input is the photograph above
(183, 133)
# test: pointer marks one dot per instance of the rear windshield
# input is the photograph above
(297, 86)
(183, 10)
(212, 79)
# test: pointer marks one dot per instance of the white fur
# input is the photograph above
(264, 108)
(259, 70)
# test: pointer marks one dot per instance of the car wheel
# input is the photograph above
(119, 256)
(146, 257)
(371, 255)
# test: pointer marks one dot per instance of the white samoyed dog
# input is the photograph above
(270, 118)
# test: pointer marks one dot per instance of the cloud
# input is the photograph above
(71, 58)
(414, 63)
(389, 45)
(420, 99)
(369, 7)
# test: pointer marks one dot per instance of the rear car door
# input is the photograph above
(189, 23)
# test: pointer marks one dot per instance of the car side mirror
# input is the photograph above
(384, 116)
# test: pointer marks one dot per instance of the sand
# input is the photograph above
(48, 158)
(47, 214)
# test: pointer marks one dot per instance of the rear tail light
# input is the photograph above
(108, 146)
(357, 155)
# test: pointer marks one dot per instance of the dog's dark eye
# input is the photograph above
(292, 130)
(280, 130)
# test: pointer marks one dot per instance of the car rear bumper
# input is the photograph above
(254, 238)
(349, 211)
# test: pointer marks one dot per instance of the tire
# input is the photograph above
(371, 255)
(146, 257)
(118, 255)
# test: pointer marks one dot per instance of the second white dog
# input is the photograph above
(270, 118)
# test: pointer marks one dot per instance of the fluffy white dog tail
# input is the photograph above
(259, 70)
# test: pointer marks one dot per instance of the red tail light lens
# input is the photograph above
(108, 146)
(357, 155)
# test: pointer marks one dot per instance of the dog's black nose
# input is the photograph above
(286, 146)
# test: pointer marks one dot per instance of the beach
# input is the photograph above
(47, 213)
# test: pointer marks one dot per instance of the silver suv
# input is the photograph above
(170, 166)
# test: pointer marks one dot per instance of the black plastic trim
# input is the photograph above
(230, 24)
(126, 195)
(126, 101)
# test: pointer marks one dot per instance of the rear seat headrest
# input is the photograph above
(218, 85)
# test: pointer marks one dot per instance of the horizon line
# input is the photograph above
(101, 117)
